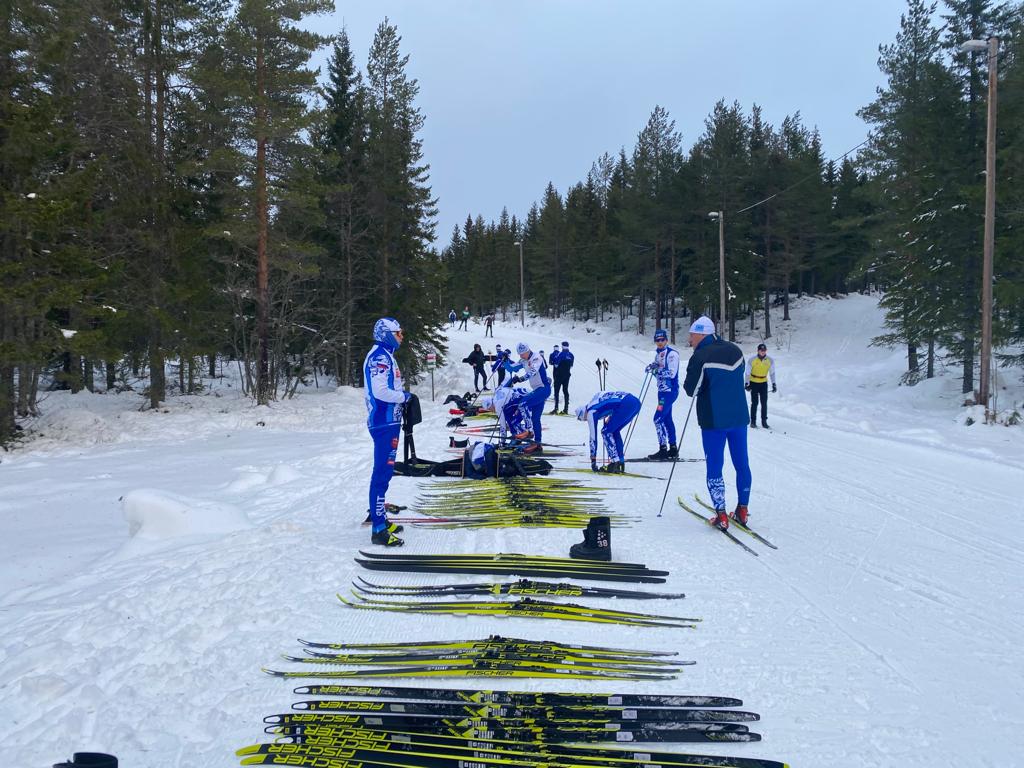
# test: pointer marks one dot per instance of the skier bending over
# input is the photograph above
(665, 370)
(385, 401)
(715, 376)
(617, 409)
(534, 370)
(510, 405)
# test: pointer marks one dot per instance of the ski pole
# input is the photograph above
(673, 469)
(643, 396)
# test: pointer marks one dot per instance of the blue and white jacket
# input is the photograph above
(601, 406)
(384, 393)
(535, 370)
(715, 376)
(666, 362)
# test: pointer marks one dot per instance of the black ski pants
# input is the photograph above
(563, 385)
(481, 374)
(758, 391)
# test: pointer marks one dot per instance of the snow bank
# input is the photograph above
(158, 515)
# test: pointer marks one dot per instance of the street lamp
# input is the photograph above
(720, 215)
(522, 292)
(985, 368)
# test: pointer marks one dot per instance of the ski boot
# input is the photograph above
(753, 424)
(660, 455)
(673, 452)
(524, 435)
(615, 468)
(740, 514)
(764, 423)
(565, 411)
(386, 538)
(553, 411)
(720, 520)
(597, 541)
(532, 449)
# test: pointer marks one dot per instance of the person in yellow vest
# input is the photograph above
(759, 369)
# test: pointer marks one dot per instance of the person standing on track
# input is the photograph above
(535, 371)
(714, 375)
(759, 369)
(385, 404)
(561, 360)
(665, 370)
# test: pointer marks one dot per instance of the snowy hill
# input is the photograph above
(152, 562)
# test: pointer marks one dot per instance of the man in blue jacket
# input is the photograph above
(385, 401)
(715, 376)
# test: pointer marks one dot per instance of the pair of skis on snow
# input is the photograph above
(732, 524)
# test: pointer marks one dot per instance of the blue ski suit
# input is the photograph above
(714, 376)
(616, 409)
(384, 400)
(666, 372)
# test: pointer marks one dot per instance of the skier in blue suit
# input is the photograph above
(533, 370)
(616, 409)
(665, 370)
(385, 400)
(715, 376)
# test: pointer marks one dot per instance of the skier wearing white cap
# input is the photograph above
(665, 370)
(535, 371)
(714, 376)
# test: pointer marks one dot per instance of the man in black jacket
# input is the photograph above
(562, 362)
(477, 359)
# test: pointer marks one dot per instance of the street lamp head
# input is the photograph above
(970, 46)
(713, 214)
(518, 242)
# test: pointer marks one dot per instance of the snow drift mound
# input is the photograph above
(158, 515)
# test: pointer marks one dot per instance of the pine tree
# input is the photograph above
(269, 53)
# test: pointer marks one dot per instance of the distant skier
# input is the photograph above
(714, 376)
(759, 369)
(385, 401)
(452, 317)
(489, 325)
(561, 361)
(465, 319)
(665, 370)
(616, 409)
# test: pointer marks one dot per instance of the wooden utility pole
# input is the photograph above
(985, 368)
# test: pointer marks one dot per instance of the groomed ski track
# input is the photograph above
(882, 632)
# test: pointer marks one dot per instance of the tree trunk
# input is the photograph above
(111, 376)
(262, 265)
(672, 289)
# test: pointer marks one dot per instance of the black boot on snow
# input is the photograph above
(597, 541)
(92, 759)
(753, 424)
(673, 451)
(660, 455)
(386, 539)
(764, 424)
(614, 468)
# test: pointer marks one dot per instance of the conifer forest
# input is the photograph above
(181, 190)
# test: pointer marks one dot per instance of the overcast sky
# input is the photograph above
(519, 93)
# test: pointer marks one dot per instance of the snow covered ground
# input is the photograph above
(152, 562)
